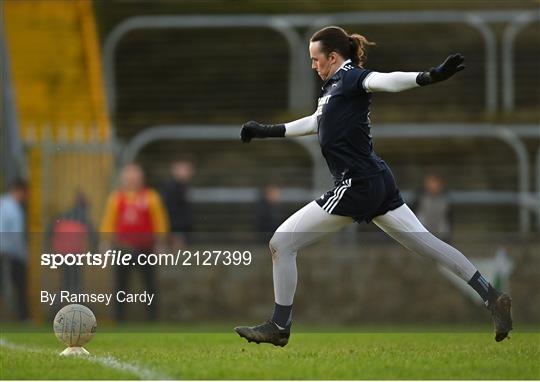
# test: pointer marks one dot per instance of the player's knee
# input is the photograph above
(279, 245)
(274, 245)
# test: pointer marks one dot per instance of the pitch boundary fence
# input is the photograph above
(301, 87)
(524, 198)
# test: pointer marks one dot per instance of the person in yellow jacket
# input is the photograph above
(136, 222)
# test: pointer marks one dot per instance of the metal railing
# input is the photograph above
(278, 24)
(517, 24)
(302, 87)
(525, 200)
(301, 84)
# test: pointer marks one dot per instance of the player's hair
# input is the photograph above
(336, 39)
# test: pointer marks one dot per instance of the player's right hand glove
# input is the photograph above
(253, 129)
(444, 71)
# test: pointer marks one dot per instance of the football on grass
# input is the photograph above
(74, 325)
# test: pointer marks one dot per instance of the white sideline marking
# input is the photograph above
(108, 361)
(139, 371)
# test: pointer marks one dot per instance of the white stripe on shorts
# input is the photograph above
(333, 197)
(333, 201)
(330, 199)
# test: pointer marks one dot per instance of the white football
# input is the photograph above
(74, 325)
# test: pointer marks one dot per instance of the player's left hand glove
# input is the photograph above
(444, 71)
(253, 129)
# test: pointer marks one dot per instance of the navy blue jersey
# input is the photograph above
(344, 126)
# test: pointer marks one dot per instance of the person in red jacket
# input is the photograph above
(137, 222)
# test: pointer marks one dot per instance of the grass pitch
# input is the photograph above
(339, 355)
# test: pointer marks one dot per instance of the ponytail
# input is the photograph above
(336, 39)
(358, 45)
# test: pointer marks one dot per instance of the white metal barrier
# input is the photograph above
(524, 198)
(510, 33)
(301, 86)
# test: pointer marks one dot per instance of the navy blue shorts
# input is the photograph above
(363, 199)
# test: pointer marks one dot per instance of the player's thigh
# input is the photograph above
(403, 226)
(402, 219)
(306, 226)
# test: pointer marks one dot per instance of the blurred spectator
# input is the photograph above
(73, 232)
(13, 248)
(175, 197)
(137, 221)
(268, 212)
(432, 206)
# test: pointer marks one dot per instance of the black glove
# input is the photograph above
(254, 129)
(444, 71)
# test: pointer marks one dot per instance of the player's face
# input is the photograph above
(324, 65)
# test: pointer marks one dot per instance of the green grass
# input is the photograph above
(339, 355)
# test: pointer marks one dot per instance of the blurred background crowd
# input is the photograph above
(115, 112)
